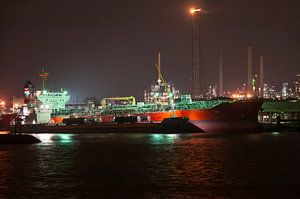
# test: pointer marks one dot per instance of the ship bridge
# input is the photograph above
(54, 100)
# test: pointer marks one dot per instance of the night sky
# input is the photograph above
(108, 48)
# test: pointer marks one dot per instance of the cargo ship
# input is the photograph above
(222, 116)
(216, 115)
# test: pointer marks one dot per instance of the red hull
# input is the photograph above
(237, 116)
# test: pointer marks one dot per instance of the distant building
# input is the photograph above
(17, 103)
(284, 90)
(297, 86)
(273, 93)
(270, 92)
(266, 92)
(212, 92)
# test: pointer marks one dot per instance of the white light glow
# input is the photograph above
(193, 10)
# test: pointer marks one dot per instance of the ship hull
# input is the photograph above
(228, 117)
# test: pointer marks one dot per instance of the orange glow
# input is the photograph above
(57, 119)
(192, 114)
(249, 95)
(2, 103)
(238, 96)
(193, 10)
(241, 96)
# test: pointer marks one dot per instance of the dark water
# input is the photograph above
(153, 166)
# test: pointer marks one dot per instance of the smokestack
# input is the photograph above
(261, 76)
(249, 88)
(221, 73)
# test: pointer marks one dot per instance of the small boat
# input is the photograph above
(18, 139)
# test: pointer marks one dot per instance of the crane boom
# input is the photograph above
(130, 98)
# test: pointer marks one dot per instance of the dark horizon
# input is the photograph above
(103, 49)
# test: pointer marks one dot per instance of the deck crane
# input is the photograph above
(130, 99)
(161, 79)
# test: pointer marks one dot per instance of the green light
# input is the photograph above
(65, 138)
(163, 138)
(172, 136)
(157, 136)
(253, 81)
(275, 133)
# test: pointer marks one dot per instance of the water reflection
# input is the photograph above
(4, 132)
(150, 166)
(276, 133)
(5, 170)
(49, 138)
(164, 138)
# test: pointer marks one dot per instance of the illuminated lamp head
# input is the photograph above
(193, 10)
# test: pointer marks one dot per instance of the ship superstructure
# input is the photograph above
(56, 101)
(37, 106)
(161, 93)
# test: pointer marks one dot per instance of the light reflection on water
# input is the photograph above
(47, 138)
(152, 166)
(164, 138)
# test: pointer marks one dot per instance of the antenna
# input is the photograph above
(44, 76)
(158, 69)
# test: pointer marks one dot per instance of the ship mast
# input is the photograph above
(158, 69)
(44, 76)
(161, 79)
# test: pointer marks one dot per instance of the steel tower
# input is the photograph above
(196, 76)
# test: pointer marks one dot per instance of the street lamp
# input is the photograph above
(193, 10)
(196, 89)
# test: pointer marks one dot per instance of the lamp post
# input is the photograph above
(196, 89)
